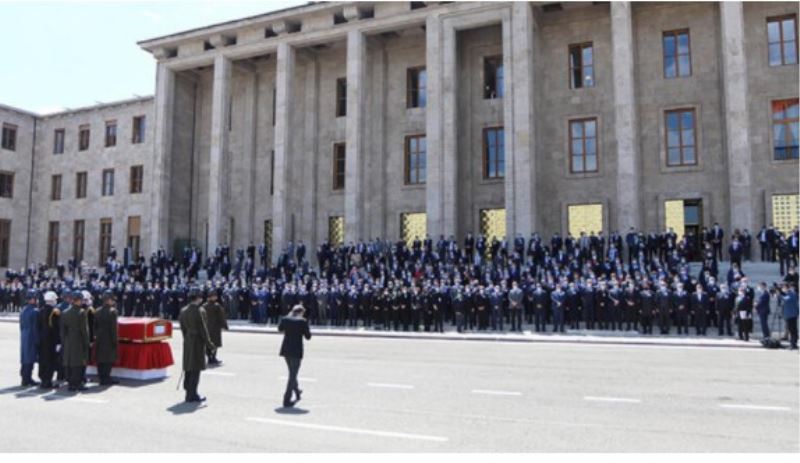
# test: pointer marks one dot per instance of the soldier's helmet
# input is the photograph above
(108, 294)
(32, 294)
(195, 292)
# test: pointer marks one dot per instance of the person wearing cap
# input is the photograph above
(294, 328)
(75, 339)
(29, 338)
(216, 323)
(86, 303)
(196, 340)
(106, 342)
(49, 339)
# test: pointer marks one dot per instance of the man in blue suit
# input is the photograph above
(294, 328)
(29, 338)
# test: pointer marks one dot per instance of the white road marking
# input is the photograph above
(299, 379)
(368, 432)
(490, 392)
(612, 399)
(756, 407)
(391, 386)
(88, 400)
(219, 373)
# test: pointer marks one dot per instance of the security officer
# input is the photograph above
(681, 305)
(647, 306)
(106, 342)
(558, 298)
(195, 342)
(540, 299)
(724, 306)
(216, 323)
(49, 340)
(664, 307)
(515, 301)
(29, 338)
(75, 339)
(698, 305)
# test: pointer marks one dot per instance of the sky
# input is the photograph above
(69, 54)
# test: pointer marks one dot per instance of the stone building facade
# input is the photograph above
(354, 120)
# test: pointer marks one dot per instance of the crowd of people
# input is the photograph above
(636, 282)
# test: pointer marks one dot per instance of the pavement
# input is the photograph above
(423, 395)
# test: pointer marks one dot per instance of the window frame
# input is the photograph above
(499, 90)
(412, 75)
(103, 189)
(782, 41)
(78, 240)
(81, 184)
(596, 137)
(7, 184)
(9, 142)
(55, 187)
(341, 97)
(485, 160)
(5, 242)
(676, 56)
(53, 235)
(59, 148)
(104, 238)
(335, 186)
(110, 139)
(785, 122)
(681, 145)
(134, 240)
(138, 127)
(87, 130)
(421, 180)
(570, 67)
(136, 181)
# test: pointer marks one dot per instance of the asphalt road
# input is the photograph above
(386, 395)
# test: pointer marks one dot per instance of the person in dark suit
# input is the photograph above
(294, 328)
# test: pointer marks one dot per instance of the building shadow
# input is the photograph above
(291, 411)
(183, 408)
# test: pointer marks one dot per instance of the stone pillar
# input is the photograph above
(162, 144)
(249, 151)
(519, 124)
(737, 136)
(283, 96)
(441, 129)
(355, 141)
(625, 129)
(308, 224)
(218, 157)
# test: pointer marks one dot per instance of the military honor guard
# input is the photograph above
(196, 341)
(29, 338)
(106, 341)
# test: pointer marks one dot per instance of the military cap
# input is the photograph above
(32, 293)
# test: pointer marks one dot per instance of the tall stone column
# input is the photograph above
(218, 157)
(625, 129)
(441, 129)
(162, 143)
(308, 225)
(355, 141)
(283, 96)
(737, 135)
(519, 124)
(249, 150)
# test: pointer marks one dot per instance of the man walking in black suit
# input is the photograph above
(294, 328)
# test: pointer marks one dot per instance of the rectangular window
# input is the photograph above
(341, 97)
(83, 138)
(677, 54)
(493, 77)
(417, 95)
(138, 130)
(583, 145)
(680, 137)
(55, 188)
(336, 230)
(137, 177)
(108, 182)
(81, 179)
(78, 240)
(111, 133)
(52, 244)
(105, 239)
(581, 65)
(416, 162)
(494, 158)
(58, 141)
(785, 212)
(9, 141)
(785, 129)
(584, 218)
(6, 184)
(338, 165)
(134, 235)
(5, 241)
(782, 40)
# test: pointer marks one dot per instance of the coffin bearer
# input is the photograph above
(216, 323)
(294, 328)
(49, 339)
(105, 332)
(75, 339)
(196, 340)
(29, 338)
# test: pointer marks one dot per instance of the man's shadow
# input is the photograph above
(182, 408)
(291, 411)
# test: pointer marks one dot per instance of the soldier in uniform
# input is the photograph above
(216, 322)
(106, 342)
(195, 342)
(29, 338)
(49, 340)
(75, 339)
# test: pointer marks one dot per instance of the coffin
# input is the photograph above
(134, 329)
